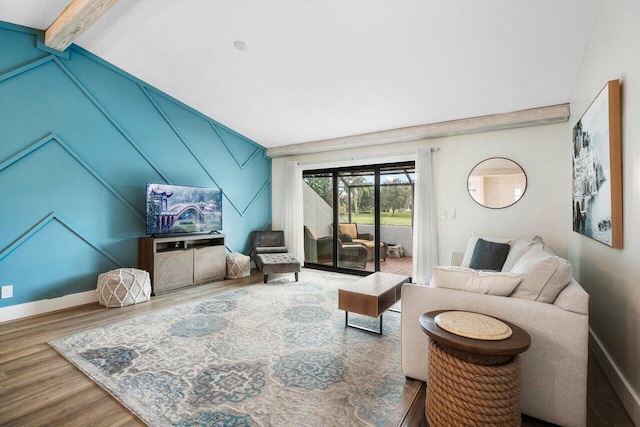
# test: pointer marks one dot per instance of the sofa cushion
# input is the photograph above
(468, 279)
(573, 298)
(471, 245)
(519, 248)
(489, 255)
(546, 275)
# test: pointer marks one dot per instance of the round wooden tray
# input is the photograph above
(473, 325)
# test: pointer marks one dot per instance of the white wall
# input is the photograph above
(611, 276)
(541, 151)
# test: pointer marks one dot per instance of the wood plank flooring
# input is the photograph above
(38, 387)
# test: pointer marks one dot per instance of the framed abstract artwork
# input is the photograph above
(597, 169)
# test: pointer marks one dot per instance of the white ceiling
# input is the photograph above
(320, 69)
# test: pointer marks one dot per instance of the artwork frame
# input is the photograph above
(597, 169)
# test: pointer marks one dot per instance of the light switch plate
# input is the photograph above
(7, 291)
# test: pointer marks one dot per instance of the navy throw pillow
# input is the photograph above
(489, 255)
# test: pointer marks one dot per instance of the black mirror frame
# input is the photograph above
(526, 182)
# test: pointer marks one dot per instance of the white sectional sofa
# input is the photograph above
(554, 369)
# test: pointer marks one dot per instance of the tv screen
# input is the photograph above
(183, 209)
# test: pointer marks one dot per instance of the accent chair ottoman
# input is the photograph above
(123, 286)
(277, 263)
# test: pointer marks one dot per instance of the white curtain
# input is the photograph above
(425, 239)
(292, 210)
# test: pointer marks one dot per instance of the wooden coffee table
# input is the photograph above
(370, 296)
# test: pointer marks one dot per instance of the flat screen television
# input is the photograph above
(183, 209)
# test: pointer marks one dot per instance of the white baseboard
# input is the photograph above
(34, 308)
(623, 389)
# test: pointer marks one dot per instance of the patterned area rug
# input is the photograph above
(266, 355)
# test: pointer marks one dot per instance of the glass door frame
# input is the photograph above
(335, 173)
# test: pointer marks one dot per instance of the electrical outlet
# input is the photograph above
(7, 291)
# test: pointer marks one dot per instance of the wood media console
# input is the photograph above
(178, 261)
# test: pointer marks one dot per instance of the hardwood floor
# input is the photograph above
(38, 387)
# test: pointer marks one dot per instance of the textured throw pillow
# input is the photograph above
(519, 248)
(471, 245)
(546, 275)
(489, 255)
(345, 238)
(467, 279)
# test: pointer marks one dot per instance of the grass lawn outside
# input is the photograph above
(386, 218)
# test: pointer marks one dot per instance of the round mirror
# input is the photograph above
(497, 183)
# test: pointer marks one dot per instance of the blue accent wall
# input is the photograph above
(79, 140)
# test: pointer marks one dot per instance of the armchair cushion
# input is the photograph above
(271, 249)
(468, 279)
(471, 246)
(546, 275)
(348, 228)
(489, 255)
(268, 238)
(365, 236)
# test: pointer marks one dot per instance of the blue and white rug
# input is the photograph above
(265, 355)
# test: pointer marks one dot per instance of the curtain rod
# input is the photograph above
(369, 156)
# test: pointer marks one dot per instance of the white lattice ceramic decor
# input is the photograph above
(238, 266)
(123, 286)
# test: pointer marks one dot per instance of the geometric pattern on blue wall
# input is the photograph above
(45, 279)
(80, 139)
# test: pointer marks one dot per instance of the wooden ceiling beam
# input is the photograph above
(73, 21)
(516, 119)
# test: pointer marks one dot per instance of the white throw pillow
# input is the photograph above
(468, 279)
(471, 245)
(519, 248)
(546, 275)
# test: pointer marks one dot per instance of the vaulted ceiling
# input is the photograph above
(321, 69)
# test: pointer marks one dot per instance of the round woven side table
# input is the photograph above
(473, 381)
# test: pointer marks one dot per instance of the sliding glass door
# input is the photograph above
(318, 199)
(372, 207)
(356, 219)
